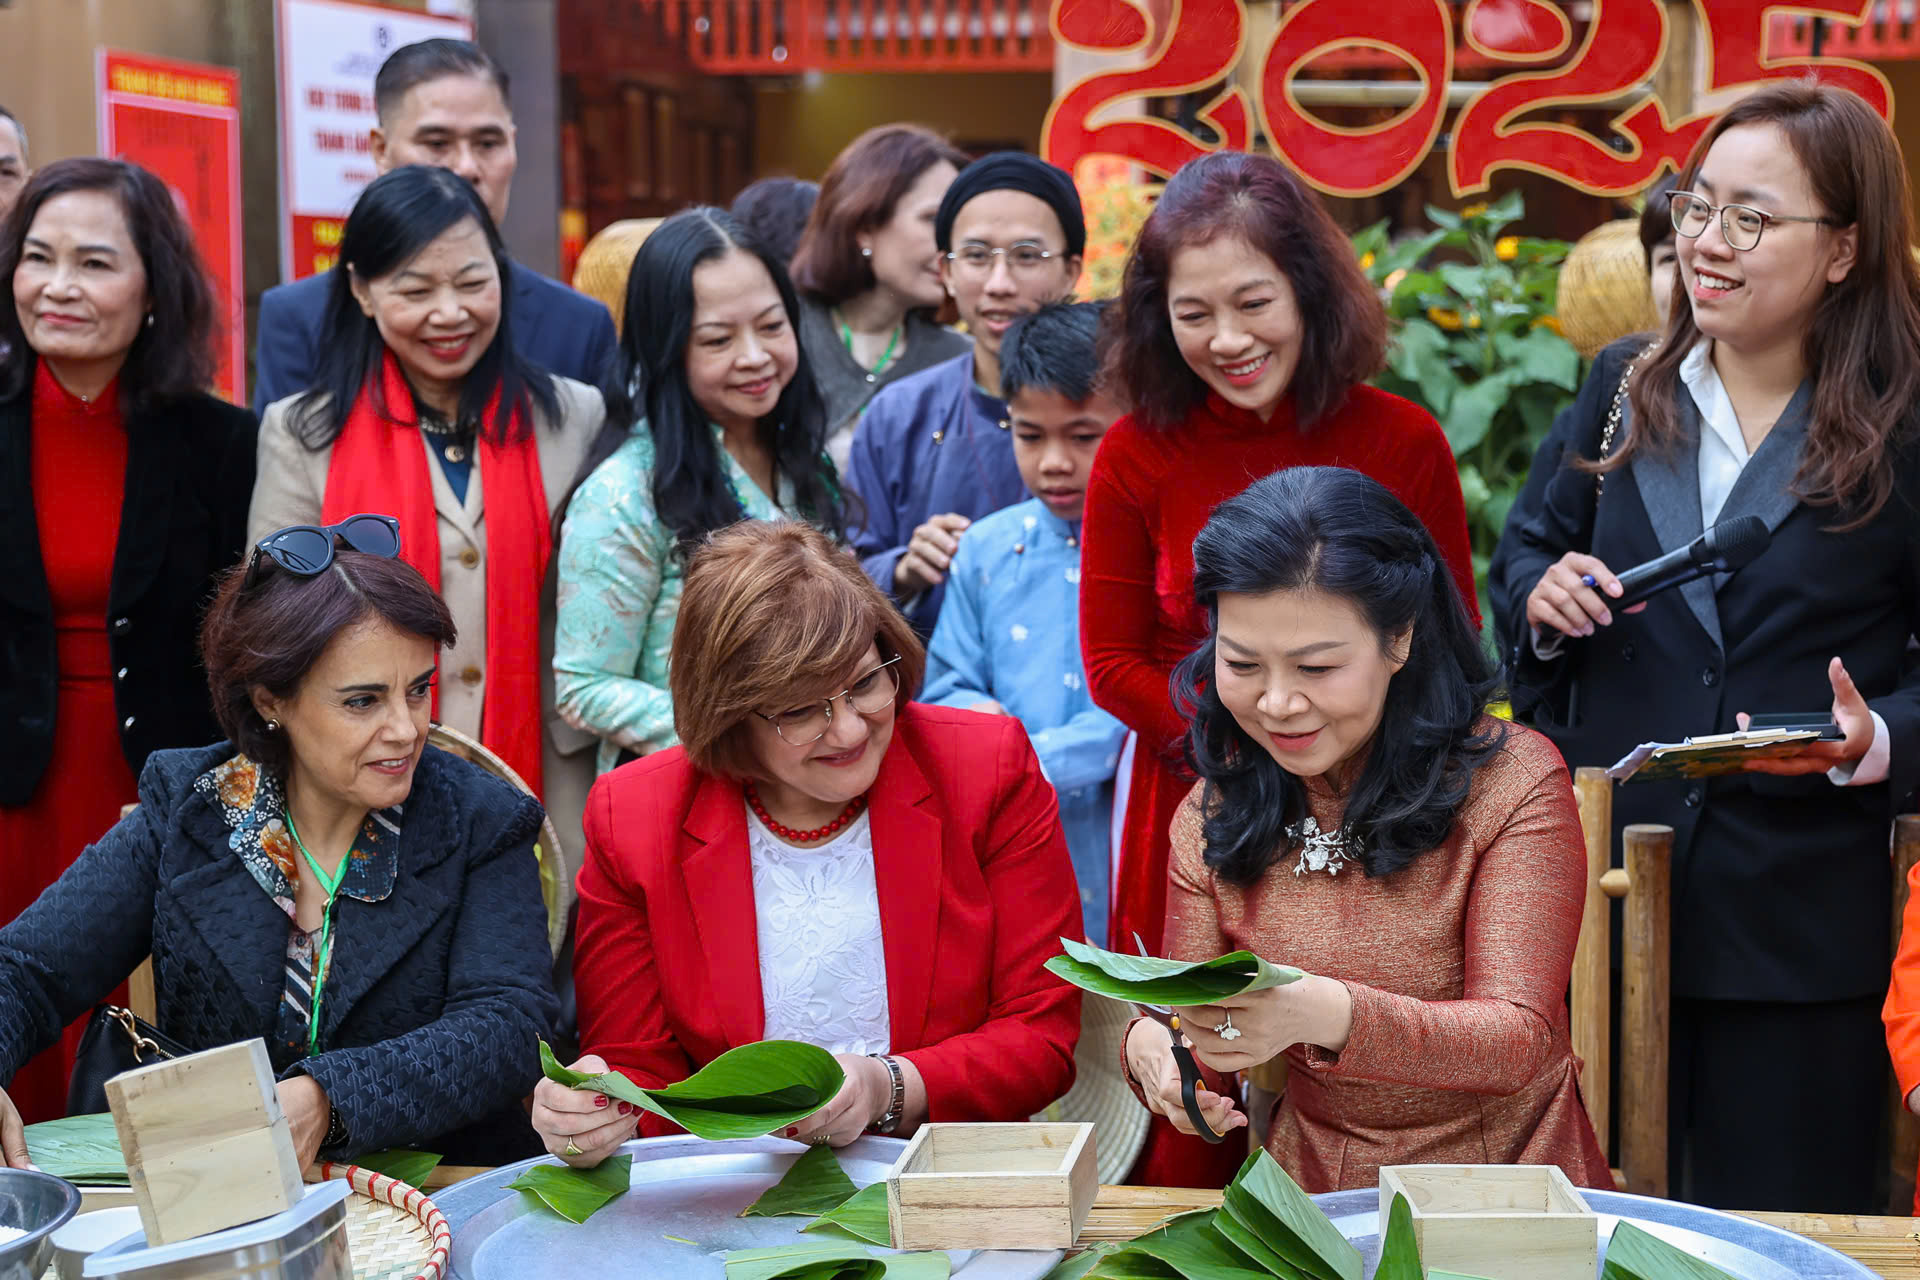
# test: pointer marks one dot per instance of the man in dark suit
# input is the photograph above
(441, 102)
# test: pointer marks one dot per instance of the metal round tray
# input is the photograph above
(683, 1187)
(1741, 1247)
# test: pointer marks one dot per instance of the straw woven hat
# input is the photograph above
(1100, 1094)
(1604, 292)
(602, 270)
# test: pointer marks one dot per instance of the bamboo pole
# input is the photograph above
(1645, 1024)
(1588, 1005)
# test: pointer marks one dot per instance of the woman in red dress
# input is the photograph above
(1242, 336)
(123, 490)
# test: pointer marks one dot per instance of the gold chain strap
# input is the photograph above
(1614, 415)
(142, 1044)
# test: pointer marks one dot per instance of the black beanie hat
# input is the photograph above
(1014, 171)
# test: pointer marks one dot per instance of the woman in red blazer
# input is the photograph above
(822, 860)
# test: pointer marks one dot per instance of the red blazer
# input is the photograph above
(975, 892)
(1901, 1013)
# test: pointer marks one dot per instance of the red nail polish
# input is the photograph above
(793, 1131)
(626, 1109)
(600, 1099)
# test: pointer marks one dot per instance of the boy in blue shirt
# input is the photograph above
(1008, 637)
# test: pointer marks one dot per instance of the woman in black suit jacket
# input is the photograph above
(1785, 390)
(123, 490)
(368, 905)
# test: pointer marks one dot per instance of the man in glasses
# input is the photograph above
(934, 451)
(443, 103)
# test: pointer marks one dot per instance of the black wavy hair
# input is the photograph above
(690, 489)
(1340, 532)
(1053, 349)
(399, 214)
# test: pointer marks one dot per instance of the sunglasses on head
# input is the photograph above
(305, 550)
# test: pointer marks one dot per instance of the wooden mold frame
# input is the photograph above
(1504, 1222)
(1000, 1186)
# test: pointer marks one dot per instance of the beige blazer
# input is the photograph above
(288, 489)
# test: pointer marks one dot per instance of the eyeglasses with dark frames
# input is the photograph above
(307, 550)
(1741, 225)
(871, 694)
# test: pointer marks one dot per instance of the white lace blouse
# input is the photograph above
(823, 969)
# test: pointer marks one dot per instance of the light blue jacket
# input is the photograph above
(1010, 631)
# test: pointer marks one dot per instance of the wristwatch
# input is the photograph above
(890, 1120)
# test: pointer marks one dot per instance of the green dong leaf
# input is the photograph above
(1273, 1209)
(813, 1184)
(82, 1149)
(1399, 1250)
(402, 1164)
(864, 1216)
(827, 1261)
(1633, 1254)
(577, 1194)
(746, 1092)
(1151, 980)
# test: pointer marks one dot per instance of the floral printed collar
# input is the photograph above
(253, 802)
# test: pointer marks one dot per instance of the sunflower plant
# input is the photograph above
(1476, 343)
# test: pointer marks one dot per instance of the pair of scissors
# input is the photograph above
(1190, 1078)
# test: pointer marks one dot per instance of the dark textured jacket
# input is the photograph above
(436, 998)
(183, 520)
(1780, 884)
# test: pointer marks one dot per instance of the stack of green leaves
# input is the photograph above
(1151, 980)
(84, 1150)
(1267, 1227)
(746, 1092)
(815, 1186)
(1633, 1254)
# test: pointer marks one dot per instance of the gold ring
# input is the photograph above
(572, 1150)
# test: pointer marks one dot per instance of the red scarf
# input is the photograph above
(379, 463)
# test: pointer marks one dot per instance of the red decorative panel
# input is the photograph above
(784, 37)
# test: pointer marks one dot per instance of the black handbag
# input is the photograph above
(114, 1041)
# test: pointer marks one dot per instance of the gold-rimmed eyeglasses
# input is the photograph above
(1022, 259)
(1740, 224)
(871, 694)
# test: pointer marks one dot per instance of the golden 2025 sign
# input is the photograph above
(1203, 42)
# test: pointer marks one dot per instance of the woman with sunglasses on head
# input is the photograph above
(824, 860)
(123, 492)
(423, 407)
(323, 879)
(1785, 389)
(726, 424)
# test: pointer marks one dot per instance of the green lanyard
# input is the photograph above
(886, 357)
(323, 954)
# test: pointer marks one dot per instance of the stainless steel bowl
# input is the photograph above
(39, 1204)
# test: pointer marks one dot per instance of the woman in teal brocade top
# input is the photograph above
(727, 426)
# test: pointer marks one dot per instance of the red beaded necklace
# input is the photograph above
(793, 836)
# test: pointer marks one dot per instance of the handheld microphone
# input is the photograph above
(1722, 549)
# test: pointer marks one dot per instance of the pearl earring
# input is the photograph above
(273, 726)
(866, 251)
(149, 319)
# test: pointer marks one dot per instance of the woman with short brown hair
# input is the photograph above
(869, 273)
(816, 851)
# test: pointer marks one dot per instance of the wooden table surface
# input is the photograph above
(1890, 1247)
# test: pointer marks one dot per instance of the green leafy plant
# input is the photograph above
(863, 1215)
(577, 1194)
(746, 1092)
(1152, 980)
(1475, 342)
(813, 1184)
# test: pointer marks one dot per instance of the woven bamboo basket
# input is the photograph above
(602, 269)
(394, 1232)
(1604, 292)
